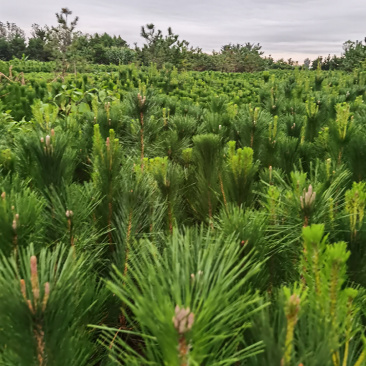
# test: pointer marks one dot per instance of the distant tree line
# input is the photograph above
(354, 54)
(68, 46)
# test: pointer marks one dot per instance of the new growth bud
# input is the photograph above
(48, 140)
(37, 302)
(46, 295)
(23, 289)
(183, 320)
(34, 278)
(15, 221)
(141, 100)
(69, 214)
(293, 307)
(307, 199)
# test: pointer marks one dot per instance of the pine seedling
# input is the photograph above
(207, 159)
(141, 102)
(269, 326)
(212, 284)
(249, 129)
(341, 130)
(106, 160)
(171, 145)
(45, 115)
(314, 246)
(355, 206)
(140, 107)
(298, 182)
(47, 160)
(284, 153)
(251, 229)
(21, 216)
(313, 204)
(215, 123)
(282, 202)
(292, 206)
(273, 203)
(184, 125)
(344, 120)
(73, 217)
(272, 130)
(312, 125)
(108, 116)
(324, 273)
(330, 183)
(270, 145)
(187, 157)
(35, 305)
(319, 77)
(47, 302)
(239, 175)
(168, 178)
(95, 108)
(283, 231)
(136, 213)
(232, 110)
(139, 212)
(292, 309)
(355, 151)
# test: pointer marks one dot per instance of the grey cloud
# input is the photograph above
(285, 28)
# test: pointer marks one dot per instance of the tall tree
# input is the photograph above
(12, 41)
(38, 45)
(240, 58)
(161, 49)
(307, 63)
(354, 54)
(63, 35)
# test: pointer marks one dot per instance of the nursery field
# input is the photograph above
(156, 217)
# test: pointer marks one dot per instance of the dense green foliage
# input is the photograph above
(155, 217)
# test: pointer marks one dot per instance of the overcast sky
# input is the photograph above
(284, 28)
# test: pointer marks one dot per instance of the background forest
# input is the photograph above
(159, 48)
